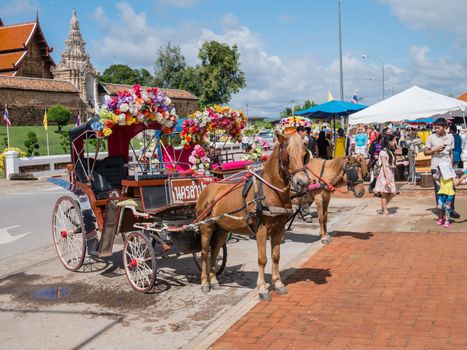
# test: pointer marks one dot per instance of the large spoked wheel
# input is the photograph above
(220, 261)
(68, 233)
(139, 260)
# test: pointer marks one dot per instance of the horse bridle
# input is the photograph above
(284, 161)
(351, 171)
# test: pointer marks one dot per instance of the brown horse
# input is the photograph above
(264, 208)
(340, 172)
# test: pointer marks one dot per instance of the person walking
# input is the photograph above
(385, 183)
(446, 193)
(439, 146)
(457, 150)
(361, 140)
(339, 149)
(374, 150)
(414, 144)
(323, 148)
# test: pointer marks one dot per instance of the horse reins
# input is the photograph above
(351, 180)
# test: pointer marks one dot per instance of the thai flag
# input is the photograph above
(78, 120)
(6, 117)
(354, 98)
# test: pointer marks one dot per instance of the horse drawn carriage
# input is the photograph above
(169, 203)
(149, 203)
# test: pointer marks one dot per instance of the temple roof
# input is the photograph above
(463, 97)
(41, 84)
(113, 89)
(14, 44)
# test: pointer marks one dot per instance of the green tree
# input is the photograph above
(119, 74)
(169, 66)
(60, 115)
(288, 111)
(31, 144)
(219, 73)
(123, 74)
(144, 77)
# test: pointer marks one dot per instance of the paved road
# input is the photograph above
(25, 212)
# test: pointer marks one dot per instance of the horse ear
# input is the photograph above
(280, 136)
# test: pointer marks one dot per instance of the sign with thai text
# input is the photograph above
(185, 190)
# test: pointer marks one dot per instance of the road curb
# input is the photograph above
(223, 322)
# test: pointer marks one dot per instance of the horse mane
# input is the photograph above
(337, 165)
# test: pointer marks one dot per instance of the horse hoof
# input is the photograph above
(265, 296)
(205, 289)
(215, 286)
(308, 219)
(281, 290)
(325, 241)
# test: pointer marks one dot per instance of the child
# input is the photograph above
(446, 193)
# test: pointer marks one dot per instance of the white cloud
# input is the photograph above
(272, 80)
(18, 7)
(448, 15)
(177, 3)
(229, 20)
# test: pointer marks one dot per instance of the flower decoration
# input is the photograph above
(255, 154)
(134, 107)
(293, 122)
(200, 161)
(198, 126)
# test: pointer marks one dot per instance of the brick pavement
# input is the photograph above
(367, 291)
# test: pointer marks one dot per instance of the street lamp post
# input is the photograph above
(382, 70)
(340, 52)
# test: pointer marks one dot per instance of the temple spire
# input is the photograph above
(75, 65)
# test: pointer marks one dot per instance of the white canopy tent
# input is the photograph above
(413, 103)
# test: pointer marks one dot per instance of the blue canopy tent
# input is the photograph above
(331, 109)
(421, 121)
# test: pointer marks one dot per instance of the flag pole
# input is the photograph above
(45, 122)
(7, 130)
(47, 140)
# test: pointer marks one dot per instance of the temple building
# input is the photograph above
(31, 82)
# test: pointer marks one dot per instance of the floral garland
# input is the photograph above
(293, 122)
(134, 107)
(197, 126)
(199, 159)
(255, 154)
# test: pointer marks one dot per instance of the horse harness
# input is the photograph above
(351, 171)
(258, 200)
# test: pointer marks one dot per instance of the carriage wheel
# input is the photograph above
(220, 261)
(68, 233)
(139, 260)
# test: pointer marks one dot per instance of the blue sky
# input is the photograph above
(289, 49)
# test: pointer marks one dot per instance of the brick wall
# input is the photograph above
(33, 65)
(185, 107)
(26, 107)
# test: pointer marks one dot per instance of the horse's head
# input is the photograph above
(293, 157)
(355, 169)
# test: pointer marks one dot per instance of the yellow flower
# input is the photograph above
(115, 118)
(107, 131)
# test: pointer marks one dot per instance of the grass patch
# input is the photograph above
(18, 136)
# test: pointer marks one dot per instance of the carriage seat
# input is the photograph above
(107, 174)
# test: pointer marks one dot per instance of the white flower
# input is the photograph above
(158, 117)
(173, 111)
(121, 119)
(124, 107)
(167, 100)
(140, 117)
